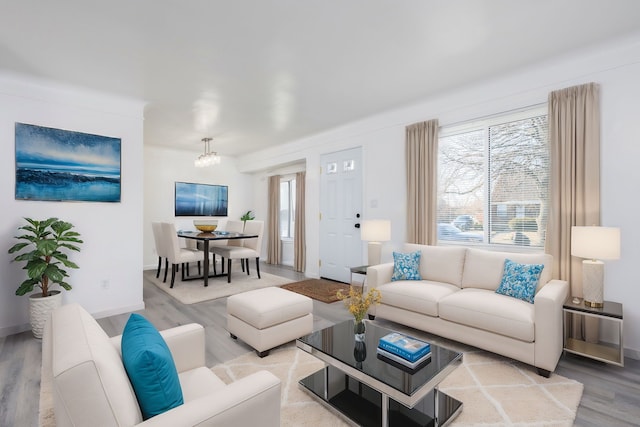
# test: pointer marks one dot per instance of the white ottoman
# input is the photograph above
(268, 317)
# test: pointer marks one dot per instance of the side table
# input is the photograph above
(362, 270)
(578, 317)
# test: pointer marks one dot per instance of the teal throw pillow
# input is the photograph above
(406, 266)
(520, 280)
(150, 367)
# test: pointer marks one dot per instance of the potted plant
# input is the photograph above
(247, 217)
(41, 247)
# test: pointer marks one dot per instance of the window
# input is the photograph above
(287, 207)
(493, 180)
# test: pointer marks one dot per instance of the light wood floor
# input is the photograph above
(611, 394)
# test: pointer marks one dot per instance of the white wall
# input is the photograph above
(163, 167)
(614, 66)
(112, 249)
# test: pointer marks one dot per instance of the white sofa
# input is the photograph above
(91, 387)
(457, 300)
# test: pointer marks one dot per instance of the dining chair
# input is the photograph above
(232, 226)
(160, 250)
(191, 245)
(175, 254)
(235, 227)
(250, 248)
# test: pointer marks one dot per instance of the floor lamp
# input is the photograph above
(594, 243)
(375, 231)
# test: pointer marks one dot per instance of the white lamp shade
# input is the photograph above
(376, 230)
(595, 242)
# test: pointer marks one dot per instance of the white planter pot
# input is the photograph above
(39, 309)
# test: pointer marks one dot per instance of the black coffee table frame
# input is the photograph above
(371, 392)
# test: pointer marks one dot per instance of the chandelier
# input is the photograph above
(208, 158)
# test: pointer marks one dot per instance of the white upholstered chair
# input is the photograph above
(176, 255)
(232, 226)
(191, 245)
(250, 248)
(235, 227)
(91, 387)
(160, 248)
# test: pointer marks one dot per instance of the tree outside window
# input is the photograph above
(493, 181)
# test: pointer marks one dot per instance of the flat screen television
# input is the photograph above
(201, 199)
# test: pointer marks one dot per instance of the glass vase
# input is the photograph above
(359, 353)
(358, 330)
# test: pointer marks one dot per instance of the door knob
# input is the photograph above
(357, 225)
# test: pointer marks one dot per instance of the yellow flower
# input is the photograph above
(357, 303)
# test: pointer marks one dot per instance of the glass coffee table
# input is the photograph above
(370, 391)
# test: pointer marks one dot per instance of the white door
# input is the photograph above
(340, 214)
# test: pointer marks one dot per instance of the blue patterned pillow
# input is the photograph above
(520, 280)
(406, 266)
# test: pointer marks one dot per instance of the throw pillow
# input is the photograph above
(520, 280)
(150, 367)
(406, 266)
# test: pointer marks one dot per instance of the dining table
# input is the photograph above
(205, 238)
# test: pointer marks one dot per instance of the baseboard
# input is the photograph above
(16, 329)
(119, 310)
(632, 354)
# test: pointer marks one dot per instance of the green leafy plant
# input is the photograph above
(247, 217)
(45, 261)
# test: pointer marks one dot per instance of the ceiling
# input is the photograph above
(257, 73)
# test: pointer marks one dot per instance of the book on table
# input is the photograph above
(402, 363)
(406, 347)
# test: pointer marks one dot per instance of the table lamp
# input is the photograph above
(375, 231)
(594, 243)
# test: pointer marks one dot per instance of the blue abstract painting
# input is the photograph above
(56, 164)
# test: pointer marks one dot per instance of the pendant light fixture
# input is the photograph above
(208, 158)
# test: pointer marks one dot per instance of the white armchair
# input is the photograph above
(91, 386)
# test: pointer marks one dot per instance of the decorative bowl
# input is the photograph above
(205, 225)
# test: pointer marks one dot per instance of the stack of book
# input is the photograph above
(407, 352)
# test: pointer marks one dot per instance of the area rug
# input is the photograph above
(318, 289)
(496, 391)
(193, 291)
